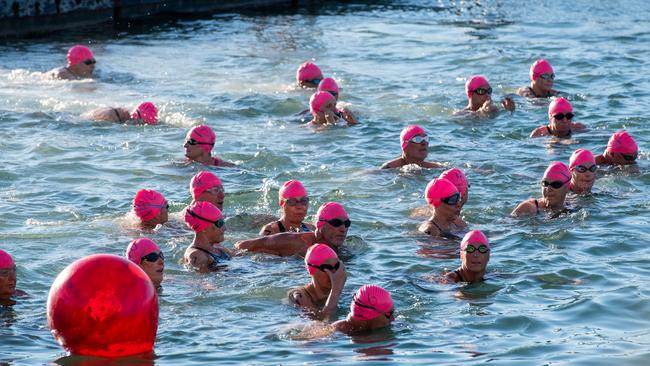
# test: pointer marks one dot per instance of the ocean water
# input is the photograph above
(569, 290)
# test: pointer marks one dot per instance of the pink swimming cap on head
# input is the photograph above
(6, 261)
(147, 112)
(203, 181)
(198, 214)
(328, 85)
(79, 53)
(437, 189)
(581, 156)
(558, 171)
(408, 133)
(559, 105)
(540, 67)
(291, 189)
(138, 248)
(474, 237)
(318, 99)
(457, 178)
(316, 255)
(475, 82)
(203, 133)
(147, 204)
(369, 302)
(328, 211)
(308, 71)
(622, 142)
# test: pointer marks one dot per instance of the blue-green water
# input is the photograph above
(570, 290)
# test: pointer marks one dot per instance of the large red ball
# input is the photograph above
(103, 305)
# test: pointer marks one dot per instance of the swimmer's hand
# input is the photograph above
(508, 104)
(337, 279)
(330, 118)
(488, 107)
(348, 117)
(243, 245)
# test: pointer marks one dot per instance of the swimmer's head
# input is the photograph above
(476, 82)
(316, 255)
(200, 215)
(291, 189)
(559, 105)
(79, 53)
(439, 189)
(309, 75)
(540, 67)
(6, 261)
(370, 302)
(557, 171)
(203, 181)
(458, 178)
(329, 211)
(319, 100)
(408, 133)
(329, 85)
(474, 237)
(622, 142)
(146, 112)
(203, 136)
(581, 157)
(139, 248)
(148, 204)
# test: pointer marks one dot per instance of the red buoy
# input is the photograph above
(103, 305)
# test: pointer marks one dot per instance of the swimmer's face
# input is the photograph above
(545, 83)
(561, 127)
(449, 211)
(154, 270)
(192, 152)
(554, 195)
(334, 236)
(619, 158)
(311, 83)
(84, 68)
(7, 282)
(417, 151)
(478, 99)
(295, 208)
(214, 195)
(582, 176)
(475, 261)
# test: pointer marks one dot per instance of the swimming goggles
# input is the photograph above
(481, 248)
(314, 81)
(583, 169)
(569, 116)
(291, 202)
(194, 142)
(451, 200)
(90, 62)
(338, 222)
(555, 185)
(630, 157)
(152, 257)
(418, 139)
(323, 267)
(7, 271)
(482, 91)
(334, 94)
(546, 76)
(219, 223)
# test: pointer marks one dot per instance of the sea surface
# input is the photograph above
(571, 290)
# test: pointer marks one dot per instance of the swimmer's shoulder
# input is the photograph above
(270, 229)
(527, 207)
(539, 132)
(429, 228)
(395, 163)
(300, 297)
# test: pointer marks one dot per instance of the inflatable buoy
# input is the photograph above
(103, 305)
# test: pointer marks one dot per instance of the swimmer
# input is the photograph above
(621, 150)
(207, 187)
(328, 278)
(81, 64)
(332, 225)
(329, 85)
(206, 252)
(145, 112)
(148, 256)
(322, 106)
(294, 203)
(555, 185)
(371, 308)
(308, 75)
(198, 147)
(445, 199)
(583, 171)
(474, 257)
(151, 208)
(541, 84)
(560, 114)
(8, 289)
(415, 148)
(479, 98)
(458, 179)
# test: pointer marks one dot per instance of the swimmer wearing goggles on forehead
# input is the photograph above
(294, 204)
(560, 116)
(328, 278)
(415, 149)
(479, 99)
(81, 65)
(474, 257)
(541, 81)
(555, 185)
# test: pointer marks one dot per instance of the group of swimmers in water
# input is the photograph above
(372, 306)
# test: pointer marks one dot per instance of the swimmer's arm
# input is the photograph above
(282, 244)
(337, 279)
(600, 159)
(508, 103)
(431, 165)
(526, 208)
(577, 126)
(525, 92)
(539, 132)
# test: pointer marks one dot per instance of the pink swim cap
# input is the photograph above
(328, 211)
(457, 178)
(147, 112)
(147, 204)
(408, 133)
(475, 82)
(474, 237)
(139, 248)
(581, 156)
(318, 99)
(439, 188)
(308, 71)
(328, 85)
(371, 301)
(622, 142)
(200, 215)
(78, 54)
(559, 105)
(291, 189)
(316, 255)
(540, 67)
(203, 133)
(203, 181)
(558, 171)
(5, 260)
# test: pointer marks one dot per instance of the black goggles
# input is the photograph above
(323, 267)
(291, 202)
(194, 142)
(555, 185)
(547, 76)
(338, 222)
(451, 200)
(631, 157)
(569, 116)
(152, 257)
(219, 223)
(90, 62)
(482, 91)
(583, 169)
